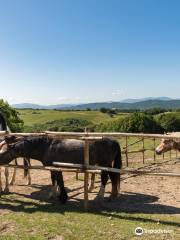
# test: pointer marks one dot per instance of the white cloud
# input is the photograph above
(118, 92)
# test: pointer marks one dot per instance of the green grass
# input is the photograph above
(31, 117)
(28, 219)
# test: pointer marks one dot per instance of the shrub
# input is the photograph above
(12, 117)
(136, 122)
(170, 122)
(64, 125)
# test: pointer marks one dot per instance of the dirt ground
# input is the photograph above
(145, 194)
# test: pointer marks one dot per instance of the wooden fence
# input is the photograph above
(86, 168)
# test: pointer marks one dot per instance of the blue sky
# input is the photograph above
(71, 51)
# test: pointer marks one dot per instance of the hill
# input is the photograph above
(166, 104)
(132, 104)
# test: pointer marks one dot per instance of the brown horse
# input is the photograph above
(167, 145)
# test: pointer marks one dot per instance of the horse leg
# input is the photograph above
(115, 180)
(92, 182)
(14, 174)
(26, 162)
(104, 179)
(63, 195)
(77, 176)
(6, 190)
(57, 181)
(53, 191)
(27, 171)
(0, 180)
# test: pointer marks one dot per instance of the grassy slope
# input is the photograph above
(42, 116)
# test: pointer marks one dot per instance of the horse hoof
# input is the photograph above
(112, 198)
(51, 196)
(63, 197)
(99, 198)
(6, 190)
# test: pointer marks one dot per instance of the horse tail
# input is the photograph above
(26, 165)
(117, 162)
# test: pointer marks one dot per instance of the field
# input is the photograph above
(31, 117)
(152, 203)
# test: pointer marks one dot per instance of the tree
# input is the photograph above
(140, 122)
(170, 122)
(12, 117)
(136, 122)
(103, 110)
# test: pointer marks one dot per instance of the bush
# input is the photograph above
(170, 122)
(12, 117)
(64, 125)
(135, 123)
(103, 110)
(154, 111)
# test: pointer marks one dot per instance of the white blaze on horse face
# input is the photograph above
(159, 149)
(3, 147)
(2, 143)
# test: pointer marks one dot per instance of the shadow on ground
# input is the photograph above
(128, 202)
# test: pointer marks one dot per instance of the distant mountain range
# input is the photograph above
(145, 103)
(132, 100)
(37, 106)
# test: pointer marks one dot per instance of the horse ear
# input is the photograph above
(10, 139)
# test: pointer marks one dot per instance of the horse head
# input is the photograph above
(8, 142)
(164, 146)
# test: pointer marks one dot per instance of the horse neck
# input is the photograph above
(176, 146)
(7, 157)
(34, 149)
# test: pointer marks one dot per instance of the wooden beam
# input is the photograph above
(130, 171)
(112, 134)
(94, 134)
(58, 169)
(86, 174)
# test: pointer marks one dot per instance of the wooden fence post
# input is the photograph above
(154, 149)
(170, 154)
(143, 149)
(127, 162)
(86, 174)
(0, 181)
